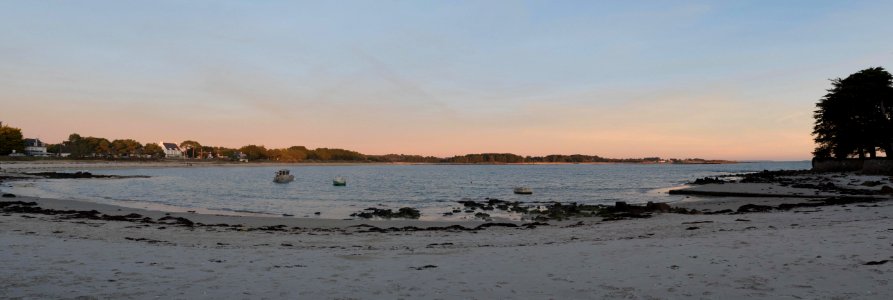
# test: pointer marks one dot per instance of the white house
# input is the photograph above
(171, 150)
(34, 147)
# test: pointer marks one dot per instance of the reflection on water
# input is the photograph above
(434, 189)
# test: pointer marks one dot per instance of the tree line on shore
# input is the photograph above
(88, 147)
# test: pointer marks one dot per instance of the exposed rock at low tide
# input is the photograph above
(563, 211)
(385, 213)
(621, 210)
(493, 203)
(176, 221)
(707, 180)
(481, 215)
(79, 175)
(749, 208)
(370, 228)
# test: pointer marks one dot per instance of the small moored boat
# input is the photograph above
(523, 191)
(339, 181)
(283, 176)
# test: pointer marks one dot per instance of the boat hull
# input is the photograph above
(284, 179)
(523, 191)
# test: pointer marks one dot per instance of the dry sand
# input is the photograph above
(829, 252)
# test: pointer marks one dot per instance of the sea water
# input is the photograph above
(433, 189)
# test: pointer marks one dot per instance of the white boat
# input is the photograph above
(523, 191)
(339, 181)
(283, 176)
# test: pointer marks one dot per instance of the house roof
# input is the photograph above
(34, 143)
(170, 146)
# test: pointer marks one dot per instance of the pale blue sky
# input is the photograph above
(722, 79)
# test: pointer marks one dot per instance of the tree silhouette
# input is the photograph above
(11, 140)
(856, 116)
(191, 148)
(153, 150)
(254, 152)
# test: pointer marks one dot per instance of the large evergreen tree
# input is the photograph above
(856, 116)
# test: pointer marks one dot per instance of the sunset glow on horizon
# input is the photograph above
(709, 79)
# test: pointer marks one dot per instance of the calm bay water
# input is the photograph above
(433, 189)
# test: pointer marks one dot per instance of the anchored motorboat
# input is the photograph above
(523, 191)
(283, 176)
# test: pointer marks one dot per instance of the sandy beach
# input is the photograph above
(822, 252)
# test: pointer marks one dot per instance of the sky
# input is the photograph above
(710, 79)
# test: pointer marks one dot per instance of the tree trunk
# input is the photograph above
(872, 152)
(862, 153)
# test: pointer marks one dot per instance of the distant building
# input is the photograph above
(171, 150)
(34, 147)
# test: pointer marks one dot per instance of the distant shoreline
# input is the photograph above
(212, 162)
